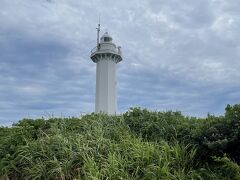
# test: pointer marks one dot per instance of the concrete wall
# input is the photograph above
(106, 100)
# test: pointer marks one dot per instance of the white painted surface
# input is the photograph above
(106, 100)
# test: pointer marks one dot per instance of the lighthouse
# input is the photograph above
(106, 55)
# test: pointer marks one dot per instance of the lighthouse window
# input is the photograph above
(106, 39)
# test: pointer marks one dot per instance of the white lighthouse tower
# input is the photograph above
(106, 55)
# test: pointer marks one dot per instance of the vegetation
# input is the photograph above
(136, 145)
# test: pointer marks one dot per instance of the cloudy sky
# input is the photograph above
(178, 55)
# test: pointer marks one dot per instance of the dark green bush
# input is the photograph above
(217, 136)
(155, 126)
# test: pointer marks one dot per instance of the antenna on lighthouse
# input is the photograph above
(98, 32)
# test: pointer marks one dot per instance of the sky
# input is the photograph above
(177, 55)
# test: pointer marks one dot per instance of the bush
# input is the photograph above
(155, 126)
(220, 135)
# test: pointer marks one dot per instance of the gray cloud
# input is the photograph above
(177, 55)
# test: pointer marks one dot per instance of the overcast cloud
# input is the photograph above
(178, 55)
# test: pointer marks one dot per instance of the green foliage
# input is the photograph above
(220, 135)
(136, 145)
(226, 168)
(155, 126)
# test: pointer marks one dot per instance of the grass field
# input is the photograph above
(138, 144)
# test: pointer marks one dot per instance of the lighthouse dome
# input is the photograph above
(106, 38)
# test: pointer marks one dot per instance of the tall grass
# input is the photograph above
(107, 147)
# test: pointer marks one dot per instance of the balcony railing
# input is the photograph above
(111, 50)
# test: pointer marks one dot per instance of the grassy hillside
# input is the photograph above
(136, 145)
